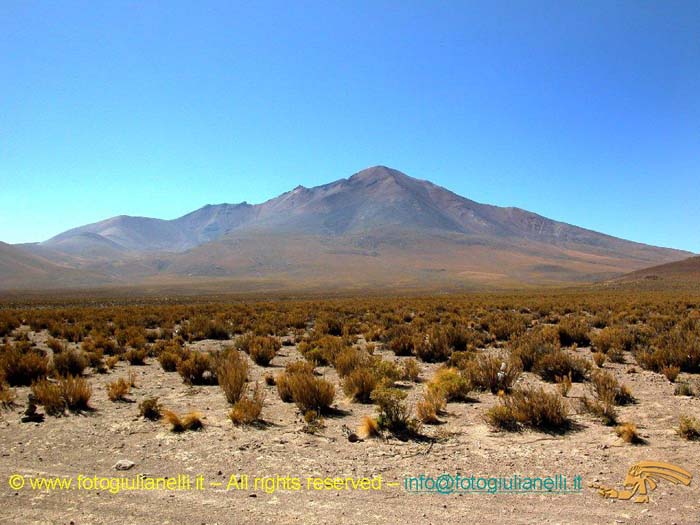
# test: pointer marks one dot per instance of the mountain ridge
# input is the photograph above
(378, 225)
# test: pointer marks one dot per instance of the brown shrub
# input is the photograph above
(311, 393)
(22, 369)
(433, 347)
(629, 434)
(410, 370)
(671, 372)
(450, 384)
(50, 395)
(349, 359)
(197, 369)
(232, 373)
(689, 428)
(149, 408)
(531, 407)
(190, 421)
(574, 330)
(70, 363)
(118, 390)
(531, 346)
(247, 409)
(76, 393)
(263, 349)
(561, 364)
(360, 383)
(428, 408)
(136, 357)
(494, 373)
(368, 427)
(608, 390)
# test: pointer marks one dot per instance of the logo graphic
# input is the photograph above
(642, 478)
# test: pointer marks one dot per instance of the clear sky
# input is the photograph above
(586, 112)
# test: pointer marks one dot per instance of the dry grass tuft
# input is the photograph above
(531, 407)
(689, 428)
(190, 421)
(247, 410)
(119, 389)
(368, 427)
(629, 434)
(232, 374)
(149, 408)
(50, 395)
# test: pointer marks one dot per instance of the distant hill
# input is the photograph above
(679, 273)
(378, 227)
(21, 269)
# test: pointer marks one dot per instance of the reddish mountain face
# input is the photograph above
(378, 227)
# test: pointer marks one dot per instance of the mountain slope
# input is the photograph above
(21, 269)
(378, 227)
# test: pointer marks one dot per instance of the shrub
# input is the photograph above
(368, 427)
(535, 408)
(55, 345)
(190, 421)
(322, 351)
(433, 347)
(493, 373)
(22, 369)
(394, 414)
(689, 428)
(70, 363)
(504, 325)
(683, 389)
(564, 385)
(76, 393)
(410, 370)
(401, 345)
(149, 408)
(450, 384)
(561, 364)
(50, 395)
(671, 372)
(613, 338)
(501, 417)
(168, 360)
(360, 383)
(628, 432)
(118, 390)
(284, 383)
(7, 396)
(197, 369)
(263, 349)
(532, 345)
(430, 406)
(609, 391)
(329, 325)
(136, 357)
(311, 393)
(112, 361)
(605, 410)
(349, 359)
(247, 409)
(599, 359)
(574, 330)
(232, 374)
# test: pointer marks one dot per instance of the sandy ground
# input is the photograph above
(91, 444)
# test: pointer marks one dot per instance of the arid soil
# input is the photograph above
(92, 443)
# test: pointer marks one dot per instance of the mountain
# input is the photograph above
(685, 273)
(378, 227)
(21, 269)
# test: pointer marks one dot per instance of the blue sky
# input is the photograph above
(586, 112)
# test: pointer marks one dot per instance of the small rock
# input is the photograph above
(123, 464)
